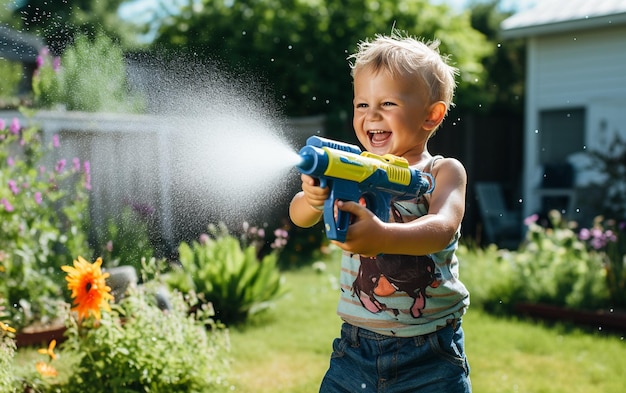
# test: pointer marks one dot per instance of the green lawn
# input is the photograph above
(288, 349)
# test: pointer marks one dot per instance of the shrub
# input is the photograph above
(126, 238)
(140, 348)
(8, 382)
(90, 76)
(552, 266)
(607, 239)
(228, 275)
(135, 345)
(43, 221)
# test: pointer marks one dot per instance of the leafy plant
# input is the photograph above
(43, 220)
(9, 83)
(90, 76)
(140, 348)
(126, 238)
(228, 275)
(607, 239)
(611, 163)
(135, 345)
(552, 266)
(8, 382)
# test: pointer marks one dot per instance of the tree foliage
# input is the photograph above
(58, 22)
(299, 47)
(506, 68)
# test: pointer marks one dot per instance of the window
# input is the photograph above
(561, 133)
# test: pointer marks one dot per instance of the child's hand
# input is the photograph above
(313, 193)
(366, 232)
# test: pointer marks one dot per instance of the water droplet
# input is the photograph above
(243, 32)
(290, 47)
(499, 45)
(536, 131)
(314, 98)
(363, 386)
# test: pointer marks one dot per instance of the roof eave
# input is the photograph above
(565, 26)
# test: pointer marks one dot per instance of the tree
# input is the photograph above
(506, 68)
(58, 22)
(299, 47)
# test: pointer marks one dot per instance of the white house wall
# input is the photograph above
(584, 69)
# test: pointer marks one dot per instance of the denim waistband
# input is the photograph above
(354, 332)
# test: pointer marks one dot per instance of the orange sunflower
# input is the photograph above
(88, 286)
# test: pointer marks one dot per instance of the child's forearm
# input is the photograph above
(302, 214)
(426, 235)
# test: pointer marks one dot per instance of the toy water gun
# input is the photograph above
(353, 175)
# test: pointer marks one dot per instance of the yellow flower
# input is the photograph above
(88, 286)
(46, 370)
(50, 350)
(6, 327)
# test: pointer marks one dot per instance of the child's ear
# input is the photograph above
(436, 113)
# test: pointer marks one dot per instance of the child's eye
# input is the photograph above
(361, 105)
(388, 103)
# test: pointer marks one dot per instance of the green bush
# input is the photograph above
(8, 383)
(43, 221)
(125, 239)
(228, 275)
(140, 348)
(9, 83)
(90, 76)
(552, 266)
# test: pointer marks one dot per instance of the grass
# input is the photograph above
(288, 350)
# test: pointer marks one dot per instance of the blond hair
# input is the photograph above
(407, 56)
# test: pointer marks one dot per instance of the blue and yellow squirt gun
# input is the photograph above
(353, 175)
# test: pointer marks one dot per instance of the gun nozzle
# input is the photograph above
(306, 163)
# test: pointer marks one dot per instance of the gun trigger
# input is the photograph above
(322, 182)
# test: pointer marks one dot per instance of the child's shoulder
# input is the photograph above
(447, 166)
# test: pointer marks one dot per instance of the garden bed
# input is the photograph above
(37, 335)
(611, 320)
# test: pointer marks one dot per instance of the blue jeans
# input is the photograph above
(364, 361)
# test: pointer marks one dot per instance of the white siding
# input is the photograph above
(581, 69)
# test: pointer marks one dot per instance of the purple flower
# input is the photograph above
(3, 124)
(38, 198)
(60, 165)
(15, 126)
(531, 219)
(204, 239)
(144, 210)
(56, 63)
(13, 186)
(7, 205)
(87, 168)
(10, 161)
(76, 164)
(584, 234)
(40, 61)
(55, 140)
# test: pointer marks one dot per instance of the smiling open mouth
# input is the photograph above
(378, 137)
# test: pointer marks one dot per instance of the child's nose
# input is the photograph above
(373, 114)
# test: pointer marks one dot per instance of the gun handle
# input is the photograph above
(336, 222)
